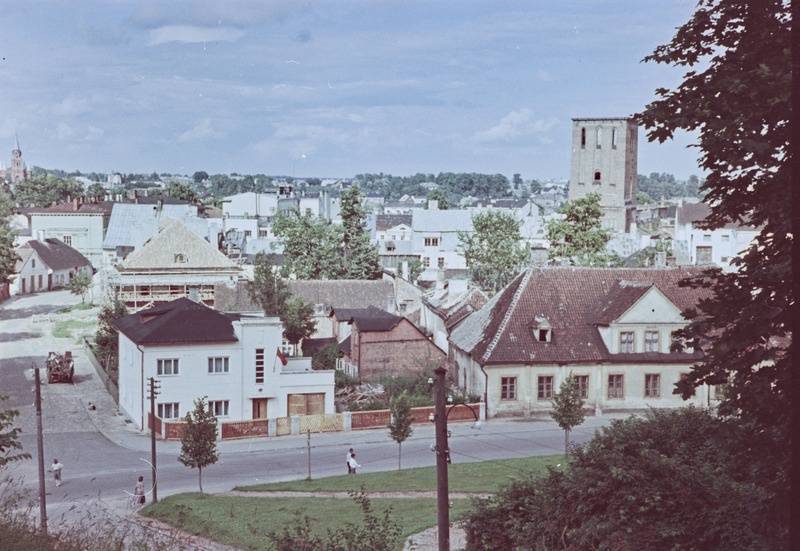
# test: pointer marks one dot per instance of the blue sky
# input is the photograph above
(328, 89)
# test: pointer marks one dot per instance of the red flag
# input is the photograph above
(282, 357)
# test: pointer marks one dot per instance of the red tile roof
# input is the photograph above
(573, 300)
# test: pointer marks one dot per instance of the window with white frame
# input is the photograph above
(218, 365)
(426, 261)
(582, 385)
(626, 342)
(431, 241)
(508, 388)
(652, 385)
(168, 366)
(218, 407)
(67, 239)
(651, 341)
(169, 411)
(545, 387)
(259, 366)
(616, 386)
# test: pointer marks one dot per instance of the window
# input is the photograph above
(651, 341)
(67, 239)
(615, 386)
(613, 138)
(652, 385)
(169, 411)
(707, 237)
(626, 342)
(582, 385)
(597, 176)
(426, 262)
(390, 246)
(508, 388)
(167, 367)
(218, 365)
(248, 233)
(441, 262)
(545, 387)
(583, 138)
(259, 365)
(599, 138)
(33, 262)
(726, 237)
(181, 258)
(431, 241)
(218, 407)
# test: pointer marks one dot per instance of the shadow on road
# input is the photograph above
(16, 337)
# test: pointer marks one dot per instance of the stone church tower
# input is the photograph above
(604, 160)
(19, 170)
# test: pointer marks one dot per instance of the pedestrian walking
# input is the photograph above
(347, 461)
(138, 492)
(352, 464)
(56, 470)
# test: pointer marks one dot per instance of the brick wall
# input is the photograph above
(403, 350)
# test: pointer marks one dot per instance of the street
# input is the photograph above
(103, 455)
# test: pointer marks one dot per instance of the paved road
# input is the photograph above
(103, 455)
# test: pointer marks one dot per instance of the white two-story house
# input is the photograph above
(612, 328)
(231, 360)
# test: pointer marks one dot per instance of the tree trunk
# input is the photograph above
(399, 454)
(200, 478)
(566, 443)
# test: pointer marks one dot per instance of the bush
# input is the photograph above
(675, 479)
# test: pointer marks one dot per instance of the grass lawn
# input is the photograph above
(72, 329)
(244, 521)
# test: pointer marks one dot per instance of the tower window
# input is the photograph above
(613, 138)
(583, 138)
(599, 138)
(597, 176)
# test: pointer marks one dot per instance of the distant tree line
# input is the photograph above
(665, 185)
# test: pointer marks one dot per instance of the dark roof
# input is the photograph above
(373, 319)
(177, 322)
(574, 301)
(346, 346)
(388, 221)
(77, 207)
(689, 213)
(56, 254)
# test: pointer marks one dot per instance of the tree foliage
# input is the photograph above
(45, 189)
(567, 408)
(361, 259)
(79, 284)
(400, 428)
(494, 251)
(656, 186)
(8, 255)
(675, 479)
(311, 247)
(9, 437)
(440, 197)
(268, 289)
(199, 439)
(106, 337)
(184, 192)
(298, 320)
(580, 236)
(736, 96)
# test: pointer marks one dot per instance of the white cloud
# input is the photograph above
(515, 125)
(65, 132)
(201, 131)
(188, 34)
(94, 134)
(72, 105)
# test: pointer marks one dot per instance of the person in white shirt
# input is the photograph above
(57, 471)
(352, 464)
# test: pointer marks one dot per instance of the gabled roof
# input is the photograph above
(132, 224)
(56, 254)
(373, 319)
(385, 222)
(573, 300)
(161, 251)
(76, 206)
(178, 322)
(689, 213)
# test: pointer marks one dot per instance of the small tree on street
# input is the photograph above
(199, 439)
(400, 428)
(568, 408)
(79, 284)
(9, 437)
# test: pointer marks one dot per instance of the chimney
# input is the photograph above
(661, 259)
(194, 294)
(75, 203)
(390, 304)
(404, 270)
(433, 204)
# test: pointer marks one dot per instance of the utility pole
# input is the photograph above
(442, 459)
(153, 384)
(308, 446)
(40, 450)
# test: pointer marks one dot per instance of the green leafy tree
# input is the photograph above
(200, 176)
(9, 437)
(182, 191)
(440, 196)
(8, 255)
(674, 479)
(568, 408)
(736, 94)
(312, 248)
(95, 189)
(79, 284)
(268, 289)
(325, 358)
(106, 338)
(516, 180)
(400, 428)
(199, 439)
(361, 259)
(46, 189)
(580, 237)
(494, 251)
(298, 320)
(415, 267)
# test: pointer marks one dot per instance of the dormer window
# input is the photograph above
(542, 330)
(181, 258)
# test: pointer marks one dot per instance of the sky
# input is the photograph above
(329, 88)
